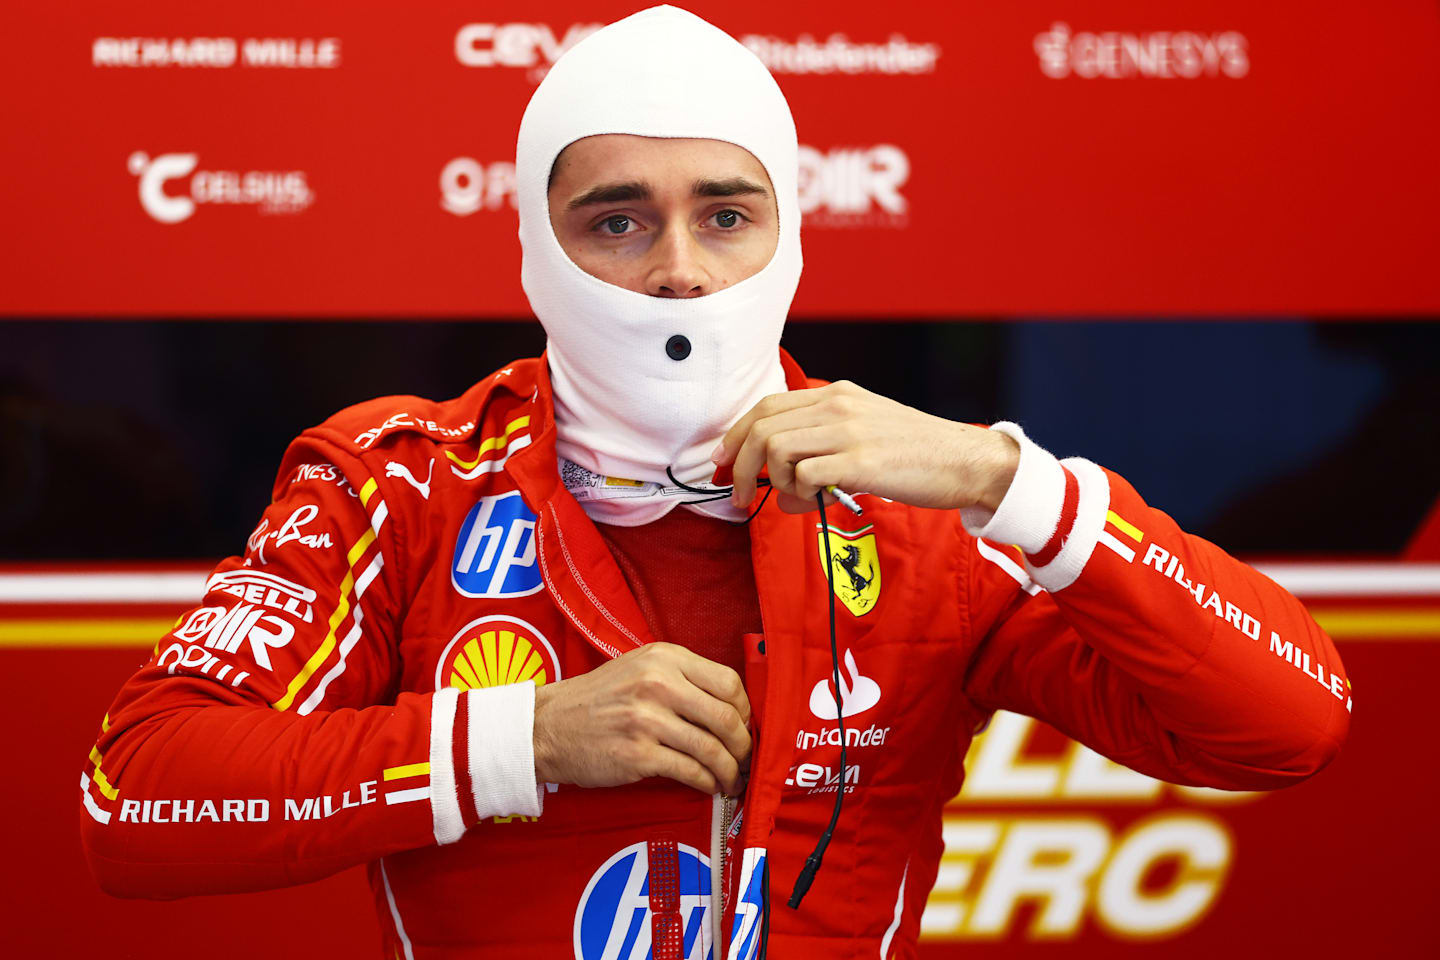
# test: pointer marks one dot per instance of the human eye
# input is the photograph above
(729, 220)
(615, 225)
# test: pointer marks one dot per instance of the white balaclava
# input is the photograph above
(623, 407)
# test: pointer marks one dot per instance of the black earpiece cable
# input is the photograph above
(812, 862)
(719, 493)
(816, 858)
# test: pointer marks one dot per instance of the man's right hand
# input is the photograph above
(659, 711)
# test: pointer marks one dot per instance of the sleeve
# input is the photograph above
(1097, 614)
(263, 743)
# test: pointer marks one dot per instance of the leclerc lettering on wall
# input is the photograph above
(349, 163)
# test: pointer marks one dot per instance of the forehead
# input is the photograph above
(658, 160)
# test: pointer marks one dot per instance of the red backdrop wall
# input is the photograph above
(1047, 843)
(1080, 157)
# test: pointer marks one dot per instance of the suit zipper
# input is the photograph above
(722, 814)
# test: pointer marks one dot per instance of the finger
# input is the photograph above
(755, 449)
(719, 718)
(767, 407)
(814, 474)
(719, 681)
(702, 746)
(680, 767)
(787, 447)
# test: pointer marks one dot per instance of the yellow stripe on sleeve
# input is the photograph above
(99, 778)
(361, 545)
(421, 769)
(1125, 526)
(367, 491)
(341, 609)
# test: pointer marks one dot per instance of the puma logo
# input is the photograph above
(394, 469)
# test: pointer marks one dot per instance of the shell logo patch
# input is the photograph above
(857, 566)
(494, 651)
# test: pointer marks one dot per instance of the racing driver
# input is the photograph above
(589, 661)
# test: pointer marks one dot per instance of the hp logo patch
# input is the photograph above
(495, 551)
(613, 920)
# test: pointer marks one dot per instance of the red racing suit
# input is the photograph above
(339, 695)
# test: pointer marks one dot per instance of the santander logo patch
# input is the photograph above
(857, 696)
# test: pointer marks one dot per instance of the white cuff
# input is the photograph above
(502, 751)
(1079, 546)
(1030, 511)
(498, 751)
(1031, 508)
(444, 804)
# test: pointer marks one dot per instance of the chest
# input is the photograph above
(500, 592)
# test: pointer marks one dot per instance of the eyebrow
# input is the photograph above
(728, 187)
(630, 190)
(611, 193)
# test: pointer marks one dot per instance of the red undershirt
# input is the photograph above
(692, 578)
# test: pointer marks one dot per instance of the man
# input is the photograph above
(719, 669)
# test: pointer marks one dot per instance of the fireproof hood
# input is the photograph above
(624, 406)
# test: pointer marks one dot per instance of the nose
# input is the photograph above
(677, 266)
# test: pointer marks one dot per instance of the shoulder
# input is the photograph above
(407, 421)
(362, 438)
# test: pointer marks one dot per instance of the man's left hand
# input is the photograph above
(846, 436)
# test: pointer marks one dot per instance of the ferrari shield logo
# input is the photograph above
(856, 566)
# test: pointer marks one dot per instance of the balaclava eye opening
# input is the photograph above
(625, 405)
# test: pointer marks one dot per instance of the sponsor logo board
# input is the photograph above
(854, 186)
(269, 191)
(323, 473)
(613, 919)
(258, 587)
(1163, 54)
(394, 468)
(286, 53)
(193, 659)
(857, 694)
(494, 651)
(468, 186)
(291, 531)
(837, 53)
(854, 566)
(528, 46)
(871, 736)
(225, 629)
(495, 550)
(750, 907)
(822, 778)
(406, 420)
